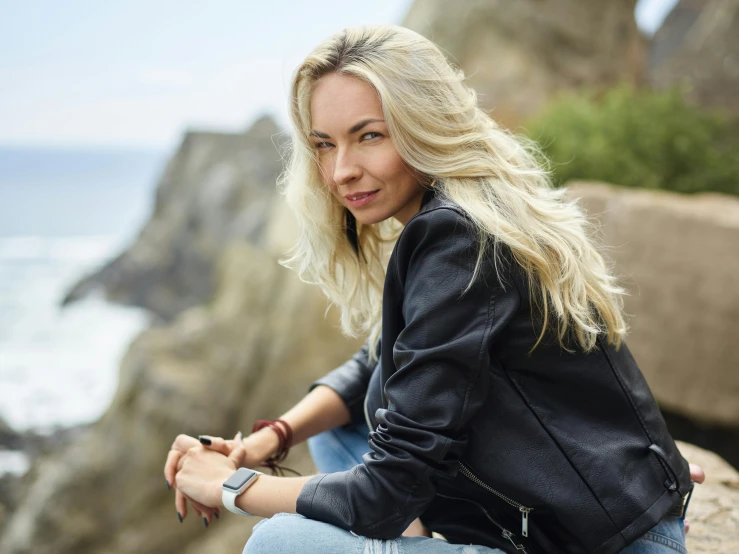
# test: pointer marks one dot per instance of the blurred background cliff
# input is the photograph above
(140, 294)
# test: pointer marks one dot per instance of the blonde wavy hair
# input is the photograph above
(499, 179)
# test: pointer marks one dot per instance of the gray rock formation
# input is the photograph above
(518, 55)
(217, 187)
(9, 438)
(713, 512)
(677, 256)
(250, 354)
(697, 48)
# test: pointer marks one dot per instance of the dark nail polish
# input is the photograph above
(179, 516)
(169, 487)
(205, 522)
(205, 440)
(216, 514)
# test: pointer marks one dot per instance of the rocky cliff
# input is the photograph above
(518, 55)
(713, 512)
(697, 48)
(217, 187)
(249, 354)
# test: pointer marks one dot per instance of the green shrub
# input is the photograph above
(639, 138)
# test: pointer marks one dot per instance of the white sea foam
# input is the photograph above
(58, 367)
(63, 213)
(13, 462)
(83, 248)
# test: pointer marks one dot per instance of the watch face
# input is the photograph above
(240, 478)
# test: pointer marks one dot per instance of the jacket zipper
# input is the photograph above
(523, 509)
(504, 532)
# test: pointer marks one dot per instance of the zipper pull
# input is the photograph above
(508, 535)
(525, 520)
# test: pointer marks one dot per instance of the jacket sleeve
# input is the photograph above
(350, 381)
(441, 357)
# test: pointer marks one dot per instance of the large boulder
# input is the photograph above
(518, 55)
(217, 188)
(713, 512)
(697, 48)
(677, 257)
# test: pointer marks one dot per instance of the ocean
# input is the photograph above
(63, 213)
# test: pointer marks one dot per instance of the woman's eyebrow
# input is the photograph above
(359, 126)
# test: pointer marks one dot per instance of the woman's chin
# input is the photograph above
(368, 217)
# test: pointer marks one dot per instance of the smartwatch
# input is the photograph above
(240, 480)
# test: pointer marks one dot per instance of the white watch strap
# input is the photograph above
(229, 501)
(228, 497)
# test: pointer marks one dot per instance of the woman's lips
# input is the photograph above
(361, 201)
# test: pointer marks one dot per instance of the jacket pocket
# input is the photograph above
(672, 481)
(666, 465)
(525, 510)
(505, 533)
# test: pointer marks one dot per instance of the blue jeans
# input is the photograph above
(341, 449)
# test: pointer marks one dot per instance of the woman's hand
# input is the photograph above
(259, 446)
(201, 473)
(697, 475)
(179, 448)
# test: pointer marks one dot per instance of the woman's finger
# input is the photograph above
(170, 466)
(238, 456)
(195, 508)
(179, 447)
(180, 505)
(206, 512)
(184, 442)
(687, 526)
(696, 473)
(184, 457)
(215, 443)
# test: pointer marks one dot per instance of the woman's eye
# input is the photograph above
(367, 136)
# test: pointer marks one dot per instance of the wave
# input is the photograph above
(86, 248)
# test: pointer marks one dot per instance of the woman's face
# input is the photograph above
(356, 154)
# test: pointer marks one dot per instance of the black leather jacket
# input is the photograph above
(542, 453)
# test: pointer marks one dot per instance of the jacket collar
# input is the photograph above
(429, 200)
(432, 199)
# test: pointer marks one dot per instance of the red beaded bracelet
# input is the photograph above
(286, 441)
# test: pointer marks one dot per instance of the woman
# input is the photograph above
(505, 411)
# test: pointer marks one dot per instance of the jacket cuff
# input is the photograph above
(304, 504)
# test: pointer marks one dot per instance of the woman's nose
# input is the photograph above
(346, 168)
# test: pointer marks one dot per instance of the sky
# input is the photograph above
(137, 74)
